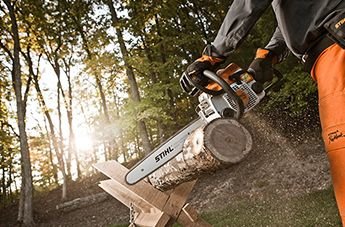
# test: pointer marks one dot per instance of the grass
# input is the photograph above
(313, 209)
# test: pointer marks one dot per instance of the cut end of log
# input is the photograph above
(228, 141)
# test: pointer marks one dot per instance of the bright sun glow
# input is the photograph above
(84, 142)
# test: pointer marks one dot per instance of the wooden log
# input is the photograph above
(82, 202)
(221, 143)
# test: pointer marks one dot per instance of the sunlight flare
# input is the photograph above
(84, 142)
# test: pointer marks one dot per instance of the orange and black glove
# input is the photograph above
(194, 72)
(262, 66)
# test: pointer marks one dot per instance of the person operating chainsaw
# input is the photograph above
(314, 31)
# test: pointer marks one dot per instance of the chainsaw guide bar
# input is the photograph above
(237, 93)
(162, 154)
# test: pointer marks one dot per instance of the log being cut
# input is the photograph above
(221, 143)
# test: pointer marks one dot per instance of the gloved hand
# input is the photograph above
(194, 72)
(261, 66)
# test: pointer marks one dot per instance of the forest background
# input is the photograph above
(83, 81)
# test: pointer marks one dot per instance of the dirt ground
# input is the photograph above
(284, 166)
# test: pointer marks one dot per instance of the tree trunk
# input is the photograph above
(59, 154)
(94, 147)
(61, 138)
(130, 75)
(15, 184)
(221, 143)
(104, 102)
(34, 77)
(44, 107)
(53, 59)
(66, 171)
(10, 180)
(3, 169)
(3, 182)
(71, 146)
(55, 176)
(25, 213)
(122, 149)
(110, 144)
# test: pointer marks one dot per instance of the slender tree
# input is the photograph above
(25, 214)
(130, 74)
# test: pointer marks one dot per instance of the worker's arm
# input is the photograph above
(278, 46)
(241, 17)
(274, 52)
(239, 20)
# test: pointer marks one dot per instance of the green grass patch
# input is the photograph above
(313, 209)
(120, 225)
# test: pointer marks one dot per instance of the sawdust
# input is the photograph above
(277, 166)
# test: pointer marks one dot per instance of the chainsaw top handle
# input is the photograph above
(226, 88)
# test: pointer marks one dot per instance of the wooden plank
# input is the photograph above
(150, 220)
(178, 198)
(189, 218)
(152, 207)
(190, 212)
(117, 172)
(146, 214)
(127, 197)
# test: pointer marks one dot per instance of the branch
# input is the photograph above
(2, 9)
(26, 93)
(38, 63)
(6, 50)
(12, 128)
(67, 64)
(31, 75)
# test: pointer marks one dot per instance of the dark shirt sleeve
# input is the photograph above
(278, 46)
(241, 17)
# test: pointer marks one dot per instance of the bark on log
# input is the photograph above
(221, 143)
(82, 202)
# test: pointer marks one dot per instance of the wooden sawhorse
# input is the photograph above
(149, 206)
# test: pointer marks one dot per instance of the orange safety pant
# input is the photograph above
(329, 73)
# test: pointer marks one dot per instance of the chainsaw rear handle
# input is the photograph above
(226, 88)
(277, 84)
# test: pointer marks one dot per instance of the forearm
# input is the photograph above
(278, 46)
(239, 20)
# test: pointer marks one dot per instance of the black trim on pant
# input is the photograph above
(313, 53)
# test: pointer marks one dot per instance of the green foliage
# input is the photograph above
(42, 169)
(314, 209)
(8, 147)
(295, 94)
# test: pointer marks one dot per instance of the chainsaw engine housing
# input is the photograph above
(219, 106)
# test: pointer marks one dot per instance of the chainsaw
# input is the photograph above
(230, 93)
